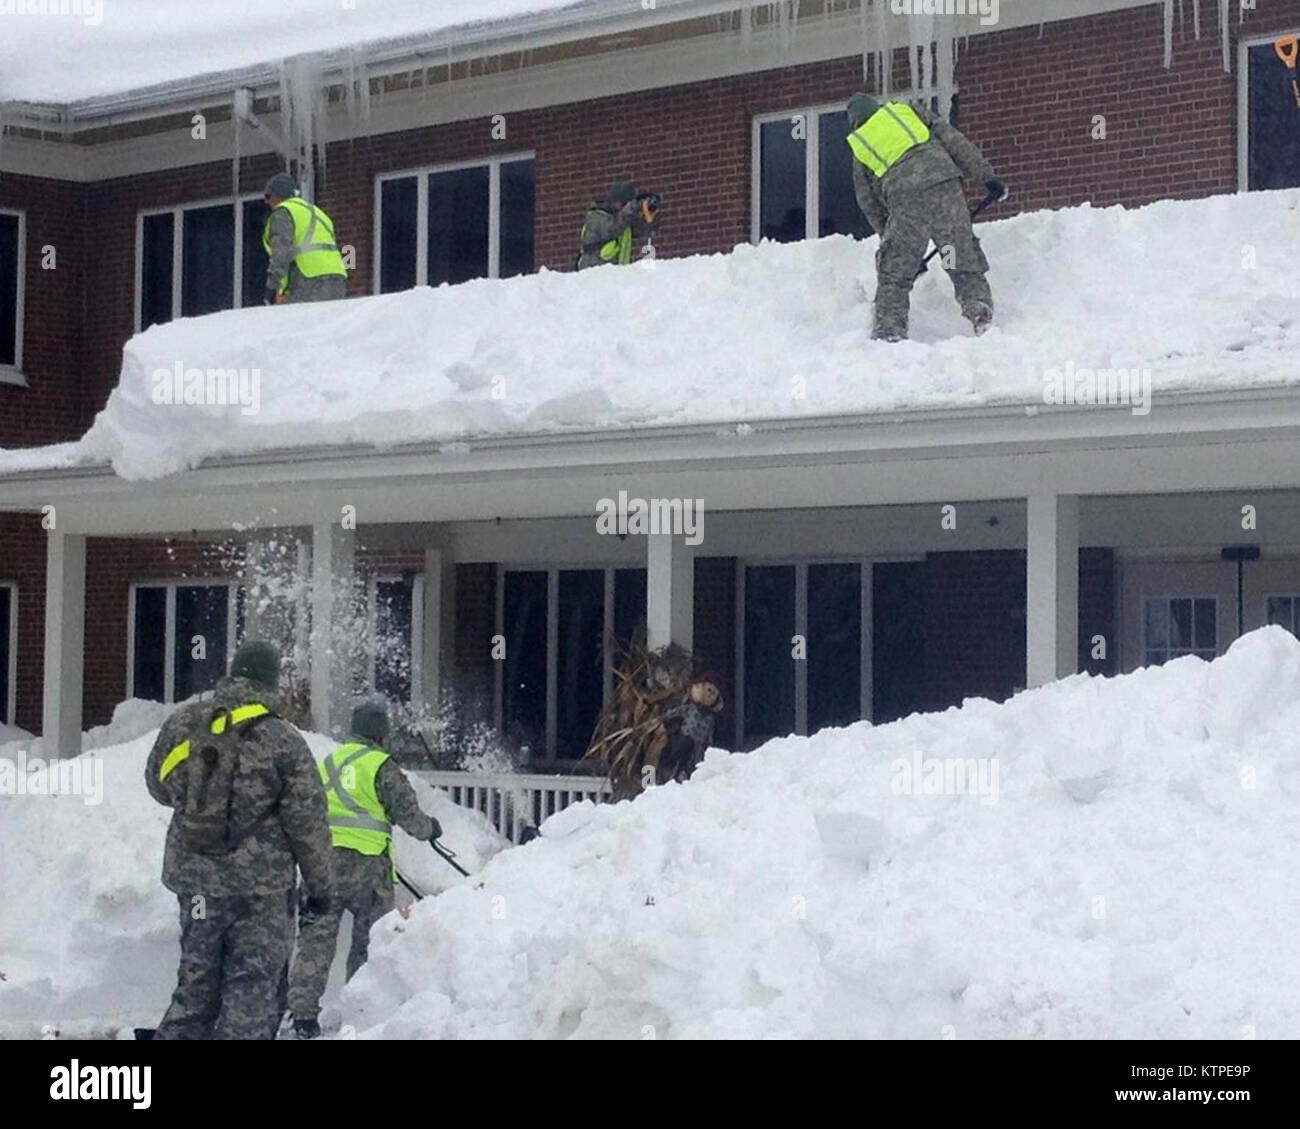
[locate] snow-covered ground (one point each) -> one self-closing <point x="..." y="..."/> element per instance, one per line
<point x="1200" y="294"/>
<point x="1135" y="878"/>
<point x="88" y="934"/>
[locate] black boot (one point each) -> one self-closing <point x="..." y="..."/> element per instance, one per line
<point x="306" y="1029"/>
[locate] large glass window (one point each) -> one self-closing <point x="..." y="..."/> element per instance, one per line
<point x="182" y="637"/>
<point x="769" y="652"/>
<point x="8" y="648"/>
<point x="202" y="641"/>
<point x="523" y="704"/>
<point x="1181" y="625"/>
<point x="1273" y="121"/>
<point x="580" y="654"/>
<point x="1282" y="611"/>
<point x="396" y="603"/>
<point x="834" y="645"/>
<point x="11" y="290"/>
<point x="453" y="224"/>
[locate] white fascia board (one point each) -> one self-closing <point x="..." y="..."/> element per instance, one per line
<point x="723" y="55"/>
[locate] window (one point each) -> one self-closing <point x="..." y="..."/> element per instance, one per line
<point x="781" y="694"/>
<point x="8" y="651"/>
<point x="453" y="223"/>
<point x="182" y="637"/>
<point x="1282" y="611"/>
<point x="1269" y="127"/>
<point x="200" y="258"/>
<point x="397" y="627"/>
<point x="556" y="676"/>
<point x="803" y="175"/>
<point x="12" y="258"/>
<point x="1180" y="625"/>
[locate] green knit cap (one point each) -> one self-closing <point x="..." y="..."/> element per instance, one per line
<point x="370" y="720"/>
<point x="861" y="107"/>
<point x="258" y="660"/>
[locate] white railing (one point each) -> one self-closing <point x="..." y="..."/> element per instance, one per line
<point x="514" y="801"/>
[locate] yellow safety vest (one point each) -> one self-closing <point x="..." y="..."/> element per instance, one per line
<point x="357" y="817"/>
<point x="887" y="136"/>
<point x="314" y="250"/>
<point x="182" y="751"/>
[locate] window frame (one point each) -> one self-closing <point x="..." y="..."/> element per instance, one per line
<point x="13" y="373"/>
<point x="10" y="675"/>
<point x="177" y="212"/>
<point x="1294" y="597"/>
<point x="422" y="173"/>
<point x="1169" y="655"/>
<point x="169" y="630"/>
<point x="812" y="147"/>
<point x="1243" y="99"/>
<point x="389" y="576"/>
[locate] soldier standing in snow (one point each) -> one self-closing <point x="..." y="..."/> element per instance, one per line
<point x="612" y="224"/>
<point x="247" y="807"/>
<point x="305" y="263"/>
<point x="690" y="727"/>
<point x="907" y="175"/>
<point x="367" y="794"/>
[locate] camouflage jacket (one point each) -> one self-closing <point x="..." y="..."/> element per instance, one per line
<point x="948" y="155"/>
<point x="398" y="797"/>
<point x="277" y="772"/>
<point x="602" y="224"/>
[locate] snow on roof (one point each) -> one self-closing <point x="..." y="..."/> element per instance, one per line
<point x="1195" y="295"/>
<point x="66" y="50"/>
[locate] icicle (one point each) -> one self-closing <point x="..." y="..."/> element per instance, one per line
<point x="945" y="49"/>
<point x="302" y="109"/>
<point x="1169" y="33"/>
<point x="884" y="51"/>
<point x="1223" y="33"/>
<point x="1196" y="18"/>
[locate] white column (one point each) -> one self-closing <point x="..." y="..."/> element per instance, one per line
<point x="1052" y="591"/>
<point x="332" y="585"/>
<point x="65" y="631"/>
<point x="670" y="592"/>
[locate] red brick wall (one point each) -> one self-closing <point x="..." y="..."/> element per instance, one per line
<point x="22" y="559"/>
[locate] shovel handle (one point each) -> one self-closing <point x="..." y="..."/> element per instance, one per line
<point x="1288" y="50"/>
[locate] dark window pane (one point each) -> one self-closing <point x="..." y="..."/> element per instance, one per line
<point x="839" y="211"/>
<point x="9" y="270"/>
<point x="1157" y="625"/>
<point x="207" y="260"/>
<point x="898" y="640"/>
<point x="201" y="614"/>
<point x="580" y="662"/>
<point x="1180" y="625"/>
<point x="629" y="602"/>
<point x="458" y="225"/>
<point x="156" y="270"/>
<point x="150" y="658"/>
<point x="6" y="659"/>
<point x="394" y="621"/>
<point x="397" y="233"/>
<point x="1206" y="630"/>
<point x="1274" y="122"/>
<point x="1279" y="612"/>
<point x="1155" y="658"/>
<point x="523" y="704"/>
<point x="253" y="285"/>
<point x="769" y="665"/>
<point x="516" y="218"/>
<point x="834" y="645"/>
<point x="782" y="184"/>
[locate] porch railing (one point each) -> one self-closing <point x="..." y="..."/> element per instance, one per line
<point x="512" y="801"/>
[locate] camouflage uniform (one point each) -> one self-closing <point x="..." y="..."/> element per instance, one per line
<point x="234" y="908"/>
<point x="364" y="887"/>
<point x="323" y="288"/>
<point x="602" y="224"/>
<point x="920" y="199"/>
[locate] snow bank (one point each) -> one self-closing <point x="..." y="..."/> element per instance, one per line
<point x="88" y="934"/>
<point x="726" y="338"/>
<point x="1135" y="877"/>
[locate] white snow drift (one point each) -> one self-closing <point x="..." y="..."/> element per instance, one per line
<point x="1136" y="878"/>
<point x="1186" y="295"/>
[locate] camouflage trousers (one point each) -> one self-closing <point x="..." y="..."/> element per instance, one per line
<point x="323" y="288"/>
<point x="938" y="212"/>
<point x="230" y="964"/>
<point x="363" y="887"/>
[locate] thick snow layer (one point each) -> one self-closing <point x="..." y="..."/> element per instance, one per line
<point x="88" y="933"/>
<point x="107" y="46"/>
<point x="1135" y="877"/>
<point x="1197" y="295"/>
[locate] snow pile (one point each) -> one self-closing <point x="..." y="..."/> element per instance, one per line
<point x="1128" y="871"/>
<point x="778" y="330"/>
<point x="88" y="934"/>
<point x="131" y="719"/>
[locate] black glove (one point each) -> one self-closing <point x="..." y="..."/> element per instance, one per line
<point x="310" y="910"/>
<point x="271" y="295"/>
<point x="437" y="829"/>
<point x="995" y="186"/>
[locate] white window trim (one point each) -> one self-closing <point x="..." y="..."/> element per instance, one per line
<point x="421" y="173"/>
<point x="417" y="631"/>
<point x="11" y="674"/>
<point x="553" y="641"/>
<point x="169" y="640"/>
<point x="1169" y="655"/>
<point x="177" y="212"/>
<point x="13" y="374"/>
<point x="1243" y="101"/>
<point x="812" y="151"/>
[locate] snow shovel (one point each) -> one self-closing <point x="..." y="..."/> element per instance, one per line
<point x="447" y="854"/>
<point x="1288" y="50"/>
<point x="988" y="201"/>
